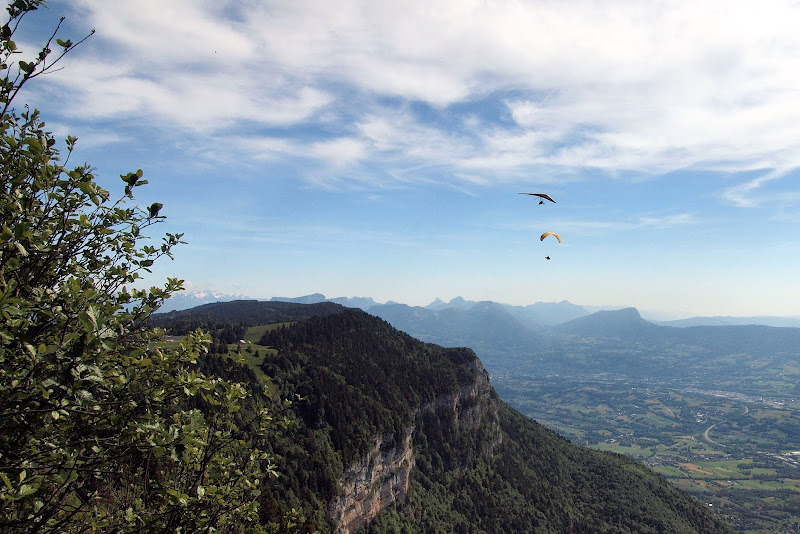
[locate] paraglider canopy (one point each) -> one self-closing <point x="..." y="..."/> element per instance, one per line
<point x="540" y="195"/>
<point x="552" y="234"/>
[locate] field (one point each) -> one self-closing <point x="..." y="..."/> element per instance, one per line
<point x="736" y="453"/>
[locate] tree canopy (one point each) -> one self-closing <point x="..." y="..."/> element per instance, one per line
<point x="102" y="427"/>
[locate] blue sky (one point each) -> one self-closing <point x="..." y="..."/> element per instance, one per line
<point x="376" y="148"/>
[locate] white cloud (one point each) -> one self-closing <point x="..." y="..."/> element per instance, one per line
<point x="260" y="148"/>
<point x="401" y="135"/>
<point x="87" y="137"/>
<point x="196" y="101"/>
<point x="618" y="86"/>
<point x="171" y="33"/>
<point x="340" y="151"/>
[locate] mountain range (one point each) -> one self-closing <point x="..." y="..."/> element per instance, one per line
<point x="533" y="315"/>
<point x="504" y="341"/>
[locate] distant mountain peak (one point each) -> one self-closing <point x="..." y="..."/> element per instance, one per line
<point x="363" y="303"/>
<point x="621" y="314"/>
<point x="185" y="299"/>
<point x="459" y="303"/>
<point x="546" y="313"/>
<point x="488" y="305"/>
<point x="625" y="322"/>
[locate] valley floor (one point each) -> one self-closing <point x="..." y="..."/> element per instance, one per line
<point x="738" y="453"/>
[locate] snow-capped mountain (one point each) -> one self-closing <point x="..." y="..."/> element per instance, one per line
<point x="183" y="300"/>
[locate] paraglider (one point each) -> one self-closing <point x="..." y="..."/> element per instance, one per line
<point x="543" y="197"/>
<point x="552" y="234"/>
<point x="540" y="195"/>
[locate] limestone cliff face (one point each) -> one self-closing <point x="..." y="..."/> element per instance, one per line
<point x="382" y="478"/>
<point x="470" y="405"/>
<point x="373" y="484"/>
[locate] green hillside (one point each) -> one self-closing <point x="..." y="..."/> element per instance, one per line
<point x="369" y="392"/>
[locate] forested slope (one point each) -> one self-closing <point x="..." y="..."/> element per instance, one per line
<point x="479" y="466"/>
<point x="239" y="312"/>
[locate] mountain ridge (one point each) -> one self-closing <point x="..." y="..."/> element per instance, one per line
<point x="397" y="435"/>
<point x="608" y="323"/>
<point x="539" y="313"/>
<point x="728" y="320"/>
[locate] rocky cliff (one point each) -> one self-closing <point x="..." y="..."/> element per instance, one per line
<point x="382" y="478"/>
<point x="373" y="484"/>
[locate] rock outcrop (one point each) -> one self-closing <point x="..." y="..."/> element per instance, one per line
<point x="382" y="478"/>
<point x="373" y="484"/>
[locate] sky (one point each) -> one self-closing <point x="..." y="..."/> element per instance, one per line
<point x="377" y="148"/>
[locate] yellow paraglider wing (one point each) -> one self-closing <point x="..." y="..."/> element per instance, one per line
<point x="552" y="234"/>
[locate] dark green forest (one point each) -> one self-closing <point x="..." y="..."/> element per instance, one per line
<point x="356" y="377"/>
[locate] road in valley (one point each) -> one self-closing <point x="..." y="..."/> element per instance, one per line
<point x="708" y="438"/>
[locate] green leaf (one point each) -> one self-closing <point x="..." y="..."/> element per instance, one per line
<point x="27" y="67"/>
<point x="88" y="319"/>
<point x="154" y="208"/>
<point x="25" y="490"/>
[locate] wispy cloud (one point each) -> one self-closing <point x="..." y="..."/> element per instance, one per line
<point x="490" y="92"/>
<point x="744" y="194"/>
<point x="88" y="137"/>
<point x="594" y="227"/>
<point x="667" y="221"/>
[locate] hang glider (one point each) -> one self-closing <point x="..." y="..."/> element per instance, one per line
<point x="540" y="195"/>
